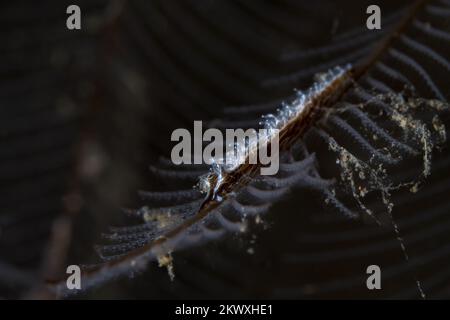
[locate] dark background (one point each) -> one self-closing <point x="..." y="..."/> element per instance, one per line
<point x="83" y="114"/>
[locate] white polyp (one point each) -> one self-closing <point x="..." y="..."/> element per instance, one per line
<point x="271" y="124"/>
<point x="286" y="112"/>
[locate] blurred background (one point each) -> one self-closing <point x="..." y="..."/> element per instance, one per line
<point x="83" y="113"/>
